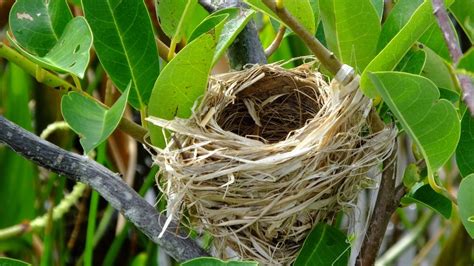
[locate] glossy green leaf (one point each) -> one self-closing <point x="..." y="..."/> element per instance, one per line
<point x="432" y="123"/>
<point x="399" y="45"/>
<point x="70" y="54"/>
<point x="38" y="24"/>
<point x="449" y="95"/>
<point x="438" y="71"/>
<point x="433" y="38"/>
<point x="378" y="5"/>
<point x="217" y="262"/>
<point x="17" y="175"/>
<point x="125" y="44"/>
<point x="91" y="121"/>
<point x="325" y="245"/>
<point x="12" y="262"/>
<point x="463" y="11"/>
<point x="174" y="16"/>
<point x="397" y="18"/>
<point x="182" y="82"/>
<point x="300" y="9"/>
<point x="466" y="63"/>
<point x="464" y="151"/>
<point x="413" y="62"/>
<point x="345" y="26"/>
<point x="466" y="203"/>
<point x="236" y="19"/>
<point x="427" y="197"/>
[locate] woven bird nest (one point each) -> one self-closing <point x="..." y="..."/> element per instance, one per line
<point x="267" y="155"/>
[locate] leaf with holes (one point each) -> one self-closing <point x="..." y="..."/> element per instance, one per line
<point x="182" y="82"/>
<point x="236" y="19"/>
<point x="93" y="122"/>
<point x="300" y="9"/>
<point x="399" y="45"/>
<point x="37" y="25"/>
<point x="70" y="54"/>
<point x="466" y="203"/>
<point x="125" y="44"/>
<point x="345" y="26"/>
<point x="325" y="245"/>
<point x="432" y="123"/>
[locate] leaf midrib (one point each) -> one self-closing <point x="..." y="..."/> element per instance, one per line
<point x="132" y="74"/>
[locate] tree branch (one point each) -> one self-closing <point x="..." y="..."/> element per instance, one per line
<point x="326" y="57"/>
<point x="110" y="186"/>
<point x="455" y="51"/>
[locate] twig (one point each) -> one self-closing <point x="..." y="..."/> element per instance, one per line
<point x="326" y="57"/>
<point x="276" y="42"/>
<point x="388" y="199"/>
<point x="110" y="186"/>
<point x="455" y="51"/>
<point x="405" y="241"/>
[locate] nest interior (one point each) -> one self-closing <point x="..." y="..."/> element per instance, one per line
<point x="268" y="154"/>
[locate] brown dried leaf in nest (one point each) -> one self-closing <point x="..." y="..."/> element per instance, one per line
<point x="268" y="154"/>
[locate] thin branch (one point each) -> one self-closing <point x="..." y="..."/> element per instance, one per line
<point x="110" y="186"/>
<point x="51" y="80"/>
<point x="455" y="51"/>
<point x="326" y="57"/>
<point x="276" y="42"/>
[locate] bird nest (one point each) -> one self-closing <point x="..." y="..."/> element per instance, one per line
<point x="267" y="154"/>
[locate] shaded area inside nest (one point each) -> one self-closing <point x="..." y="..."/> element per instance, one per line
<point x="271" y="108"/>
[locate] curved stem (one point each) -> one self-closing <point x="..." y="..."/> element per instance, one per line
<point x="276" y="42"/>
<point x="326" y="57"/>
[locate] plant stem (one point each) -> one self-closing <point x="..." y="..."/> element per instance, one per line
<point x="326" y="57"/>
<point x="276" y="42"/>
<point x="455" y="52"/>
<point x="405" y="242"/>
<point x="110" y="186"/>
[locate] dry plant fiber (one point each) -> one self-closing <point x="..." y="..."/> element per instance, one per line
<point x="267" y="154"/>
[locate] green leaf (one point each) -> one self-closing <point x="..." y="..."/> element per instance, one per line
<point x="217" y="262"/>
<point x="411" y="175"/>
<point x="466" y="63"/>
<point x="236" y="19"/>
<point x="70" y="54"/>
<point x="17" y="175"/>
<point x="346" y="24"/>
<point x="432" y="124"/>
<point x="427" y="197"/>
<point x="90" y="120"/>
<point x="300" y="9"/>
<point x="182" y="82"/>
<point x="449" y="95"/>
<point x="12" y="262"/>
<point x="125" y="44"/>
<point x="397" y="18"/>
<point x="433" y="38"/>
<point x="463" y="11"/>
<point x="325" y="245"/>
<point x="413" y="62"/>
<point x="174" y="16"/>
<point x="38" y="24"/>
<point x="464" y="154"/>
<point x="438" y="71"/>
<point x="378" y="5"/>
<point x="465" y="202"/>
<point x="394" y="51"/>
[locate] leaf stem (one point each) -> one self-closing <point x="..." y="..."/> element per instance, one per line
<point x="326" y="57"/>
<point x="276" y="42"/>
